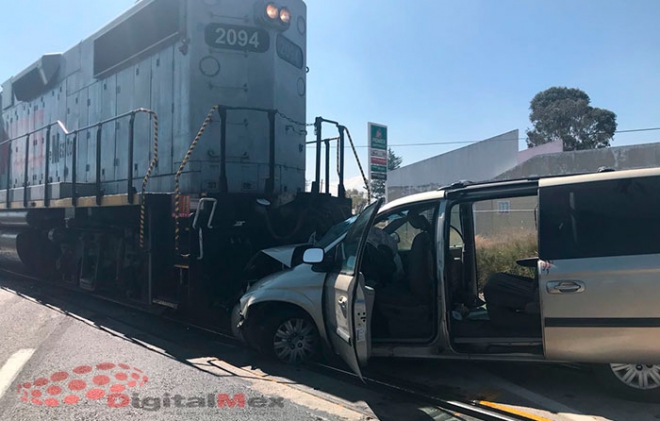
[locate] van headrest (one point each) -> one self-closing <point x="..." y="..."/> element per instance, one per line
<point x="420" y="222"/>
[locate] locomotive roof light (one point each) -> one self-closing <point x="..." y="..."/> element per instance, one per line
<point x="272" y="11"/>
<point x="285" y="16"/>
<point x="271" y="14"/>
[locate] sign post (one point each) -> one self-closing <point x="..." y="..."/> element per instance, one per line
<point x="378" y="153"/>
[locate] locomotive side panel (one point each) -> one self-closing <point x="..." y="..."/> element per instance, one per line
<point x="143" y="134"/>
<point x="290" y="76"/>
<point x="79" y="94"/>
<point x="60" y="146"/>
<point x="219" y="76"/>
<point x="198" y="54"/>
<point x="93" y="116"/>
<point x="126" y="102"/>
<point x="74" y="119"/>
<point x="235" y="61"/>
<point x="18" y="147"/>
<point x="108" y="99"/>
<point x="164" y="84"/>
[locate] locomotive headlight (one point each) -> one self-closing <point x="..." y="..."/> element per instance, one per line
<point x="285" y="16"/>
<point x="272" y="11"/>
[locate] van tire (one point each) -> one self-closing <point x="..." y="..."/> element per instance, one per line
<point x="285" y="331"/>
<point x="621" y="389"/>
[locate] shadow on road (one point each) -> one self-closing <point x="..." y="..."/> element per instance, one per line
<point x="181" y="343"/>
<point x="566" y="392"/>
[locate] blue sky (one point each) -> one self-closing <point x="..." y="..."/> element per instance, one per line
<point x="432" y="70"/>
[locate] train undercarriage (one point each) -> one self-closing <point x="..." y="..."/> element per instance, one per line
<point x="199" y="268"/>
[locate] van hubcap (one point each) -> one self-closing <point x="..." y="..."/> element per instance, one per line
<point x="639" y="376"/>
<point x="295" y="341"/>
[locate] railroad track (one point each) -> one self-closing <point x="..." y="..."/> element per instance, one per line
<point x="461" y="408"/>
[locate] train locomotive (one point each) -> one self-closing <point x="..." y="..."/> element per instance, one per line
<point x="151" y="161"/>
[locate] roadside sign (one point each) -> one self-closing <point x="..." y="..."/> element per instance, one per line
<point x="377" y="135"/>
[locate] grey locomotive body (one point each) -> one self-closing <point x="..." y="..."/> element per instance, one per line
<point x="154" y="158"/>
<point x="179" y="59"/>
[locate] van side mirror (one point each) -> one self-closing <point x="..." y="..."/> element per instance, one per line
<point x="313" y="256"/>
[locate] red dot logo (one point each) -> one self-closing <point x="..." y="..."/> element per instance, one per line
<point x="59" y="376"/>
<point x="83" y="369"/>
<point x="101" y="380"/>
<point x="104" y="381"/>
<point x="117" y="388"/>
<point x="95" y="394"/>
<point x="54" y="390"/>
<point x="77" y="385"/>
<point x="71" y="399"/>
<point x="105" y="366"/>
<point x="41" y="382"/>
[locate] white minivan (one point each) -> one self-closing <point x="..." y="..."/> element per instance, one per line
<point x="561" y="269"/>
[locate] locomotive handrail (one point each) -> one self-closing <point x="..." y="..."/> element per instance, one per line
<point x="222" y="113"/>
<point x="99" y="125"/>
<point x="316" y="184"/>
<point x="27" y="136"/>
<point x="209" y="224"/>
<point x="47" y="126"/>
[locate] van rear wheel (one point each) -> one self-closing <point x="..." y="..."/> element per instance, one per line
<point x="290" y="336"/>
<point x="639" y="382"/>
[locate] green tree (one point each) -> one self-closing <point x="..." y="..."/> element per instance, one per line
<point x="393" y="162"/>
<point x="358" y="199"/>
<point x="565" y="114"/>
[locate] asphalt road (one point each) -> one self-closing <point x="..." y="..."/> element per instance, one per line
<point x="68" y="357"/>
<point x="47" y="332"/>
<point x="62" y="368"/>
<point x="546" y="391"/>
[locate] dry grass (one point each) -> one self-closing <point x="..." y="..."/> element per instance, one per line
<point x="500" y="254"/>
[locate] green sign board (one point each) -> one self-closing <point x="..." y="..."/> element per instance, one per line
<point x="378" y="137"/>
<point x="377" y="151"/>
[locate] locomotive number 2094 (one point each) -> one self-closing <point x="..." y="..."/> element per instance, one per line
<point x="235" y="37"/>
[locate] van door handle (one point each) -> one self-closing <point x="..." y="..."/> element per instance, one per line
<point x="565" y="287"/>
<point x="343" y="300"/>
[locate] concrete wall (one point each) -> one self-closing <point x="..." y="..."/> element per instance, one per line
<point x="552" y="147"/>
<point x="476" y="162"/>
<point x="619" y="158"/>
<point x="498" y="222"/>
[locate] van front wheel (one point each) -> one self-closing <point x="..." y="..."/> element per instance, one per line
<point x="289" y="336"/>
<point x="639" y="382"/>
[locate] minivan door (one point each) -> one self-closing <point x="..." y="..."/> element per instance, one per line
<point x="346" y="299"/>
<point x="599" y="268"/>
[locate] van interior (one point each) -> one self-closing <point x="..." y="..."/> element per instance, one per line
<point x="491" y="257"/>
<point x="399" y="265"/>
<point x="491" y="284"/>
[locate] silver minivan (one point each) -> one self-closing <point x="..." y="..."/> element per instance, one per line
<point x="561" y="269"/>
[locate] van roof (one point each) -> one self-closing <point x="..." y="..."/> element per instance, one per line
<point x="542" y="182"/>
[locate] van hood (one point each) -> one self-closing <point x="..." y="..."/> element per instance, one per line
<point x="283" y="254"/>
<point x="301" y="276"/>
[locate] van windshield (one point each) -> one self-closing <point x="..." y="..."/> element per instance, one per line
<point x="335" y="232"/>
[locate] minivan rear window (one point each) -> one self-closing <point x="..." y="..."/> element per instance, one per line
<point x="618" y="217"/>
